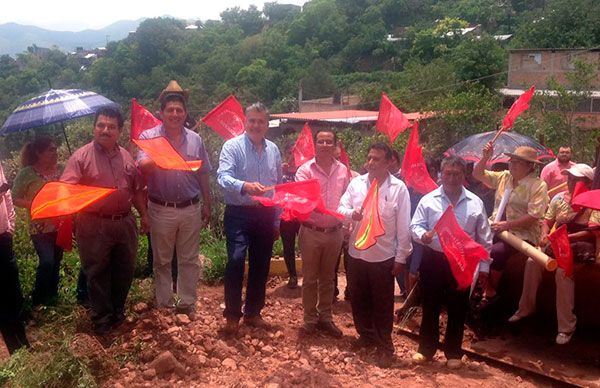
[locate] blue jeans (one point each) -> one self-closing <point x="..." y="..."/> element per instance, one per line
<point x="47" y="276"/>
<point x="249" y="230"/>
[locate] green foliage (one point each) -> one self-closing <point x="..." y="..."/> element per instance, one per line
<point x="215" y="253"/>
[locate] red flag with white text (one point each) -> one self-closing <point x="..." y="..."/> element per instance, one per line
<point x="227" y="119"/>
<point x="391" y="121"/>
<point x="414" y="170"/>
<point x="462" y="252"/>
<point x="304" y="149"/>
<point x="141" y="119"/>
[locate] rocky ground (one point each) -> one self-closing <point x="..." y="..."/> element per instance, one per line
<point x="159" y="349"/>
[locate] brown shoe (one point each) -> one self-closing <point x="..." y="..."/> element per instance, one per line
<point x="231" y="327"/>
<point x="309" y="328"/>
<point x="257" y="322"/>
<point x="385" y="359"/>
<point x="330" y="329"/>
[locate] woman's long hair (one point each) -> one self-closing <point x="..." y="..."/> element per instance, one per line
<point x="31" y="150"/>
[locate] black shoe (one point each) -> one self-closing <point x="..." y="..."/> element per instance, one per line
<point x="292" y="282"/>
<point x="385" y="359"/>
<point x="117" y="319"/>
<point x="330" y="329"/>
<point x="102" y="329"/>
<point x="361" y="343"/>
<point x="309" y="328"/>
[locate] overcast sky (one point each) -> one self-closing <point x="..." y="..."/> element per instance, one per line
<point x="69" y="15"/>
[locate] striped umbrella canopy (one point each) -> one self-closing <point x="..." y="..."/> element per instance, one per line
<point x="54" y="106"/>
<point x="471" y="148"/>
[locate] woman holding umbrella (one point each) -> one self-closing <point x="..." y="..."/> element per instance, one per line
<point x="39" y="165"/>
<point x="520" y="203"/>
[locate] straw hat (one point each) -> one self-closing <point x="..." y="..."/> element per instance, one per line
<point x="580" y="170"/>
<point x="525" y="153"/>
<point x="174" y="88"/>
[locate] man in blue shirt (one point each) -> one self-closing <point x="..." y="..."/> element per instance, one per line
<point x="175" y="208"/>
<point x="437" y="282"/>
<point x="249" y="165"/>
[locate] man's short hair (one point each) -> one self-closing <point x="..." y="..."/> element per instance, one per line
<point x="565" y="146"/>
<point x="454" y="160"/>
<point x="328" y="130"/>
<point x="382" y="147"/>
<point x="178" y="97"/>
<point x="258" y="107"/>
<point x="112" y="112"/>
<point x="396" y="155"/>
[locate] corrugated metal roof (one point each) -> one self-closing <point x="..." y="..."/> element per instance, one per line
<point x="343" y="116"/>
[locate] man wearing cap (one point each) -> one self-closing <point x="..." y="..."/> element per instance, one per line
<point x="552" y="173"/>
<point x="321" y="236"/>
<point x="249" y="165"/>
<point x="178" y="203"/>
<point x="106" y="232"/>
<point x="582" y="243"/>
<point x="519" y="206"/>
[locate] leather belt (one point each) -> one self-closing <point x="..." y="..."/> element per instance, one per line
<point x="112" y="217"/>
<point x="181" y="204"/>
<point x="320" y="229"/>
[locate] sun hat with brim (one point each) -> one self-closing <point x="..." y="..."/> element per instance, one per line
<point x="580" y="170"/>
<point x="525" y="153"/>
<point x="174" y="88"/>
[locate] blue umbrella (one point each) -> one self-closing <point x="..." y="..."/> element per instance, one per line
<point x="54" y="106"/>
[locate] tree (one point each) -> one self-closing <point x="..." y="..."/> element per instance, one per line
<point x="250" y="21"/>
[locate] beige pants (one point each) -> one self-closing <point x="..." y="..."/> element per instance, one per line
<point x="320" y="253"/>
<point x="179" y="229"/>
<point x="565" y="296"/>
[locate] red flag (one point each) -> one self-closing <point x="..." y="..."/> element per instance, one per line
<point x="520" y="105"/>
<point x="590" y="199"/>
<point x="414" y="171"/>
<point x="304" y="149"/>
<point x="559" y="239"/>
<point x="344" y="158"/>
<point x="227" y="119"/>
<point x="370" y="226"/>
<point x="462" y="252"/>
<point x="391" y="121"/>
<point x="580" y="188"/>
<point x="298" y="200"/>
<point x="64" y="237"/>
<point x="141" y="119"/>
<point x="56" y="199"/>
<point x="165" y="156"/>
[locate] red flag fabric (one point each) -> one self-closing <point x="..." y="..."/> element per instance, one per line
<point x="165" y="156"/>
<point x="580" y="188"/>
<point x="298" y="200"/>
<point x="64" y="237"/>
<point x="370" y="226"/>
<point x="520" y="105"/>
<point x="590" y="199"/>
<point x="462" y="252"/>
<point x="304" y="149"/>
<point x="559" y="240"/>
<point x="57" y="199"/>
<point x="141" y="119"/>
<point x="391" y="121"/>
<point x="414" y="171"/>
<point x="344" y="158"/>
<point x="227" y="119"/>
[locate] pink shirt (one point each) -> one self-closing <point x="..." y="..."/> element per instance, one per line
<point x="333" y="185"/>
<point x="552" y="173"/>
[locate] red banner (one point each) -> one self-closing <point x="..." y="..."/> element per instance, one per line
<point x="414" y="171"/>
<point x="227" y="119"/>
<point x="462" y="252"/>
<point x="344" y="158"/>
<point x="391" y="121"/>
<point x="57" y="199"/>
<point x="304" y="149"/>
<point x="520" y="105"/>
<point x="141" y="119"/>
<point x="370" y="226"/>
<point x="559" y="240"/>
<point x="165" y="156"/>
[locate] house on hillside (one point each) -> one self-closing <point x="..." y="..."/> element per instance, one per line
<point x="528" y="67"/>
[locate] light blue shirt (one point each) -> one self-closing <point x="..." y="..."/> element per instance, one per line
<point x="469" y="211"/>
<point x="240" y="162"/>
<point x="174" y="185"/>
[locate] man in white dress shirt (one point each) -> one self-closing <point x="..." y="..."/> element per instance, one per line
<point x="371" y="272"/>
